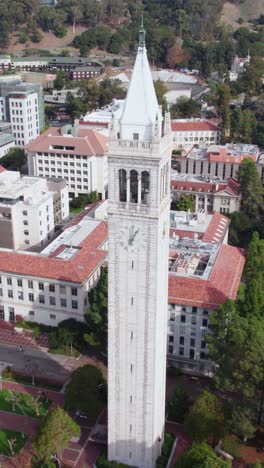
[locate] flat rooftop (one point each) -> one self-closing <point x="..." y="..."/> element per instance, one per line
<point x="66" y="245"/>
<point x="191" y="257"/>
<point x="19" y="187"/>
<point x="203" y="226"/>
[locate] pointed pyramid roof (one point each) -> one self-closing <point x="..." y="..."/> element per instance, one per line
<point x="141" y="105"/>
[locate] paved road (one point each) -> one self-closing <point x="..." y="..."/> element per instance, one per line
<point x="35" y="361"/>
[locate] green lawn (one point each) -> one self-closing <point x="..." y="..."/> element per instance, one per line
<point x="6" y="435"/>
<point x="27" y="380"/>
<point x="23" y="405"/>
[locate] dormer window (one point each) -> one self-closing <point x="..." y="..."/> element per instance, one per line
<point x="135" y="136"/>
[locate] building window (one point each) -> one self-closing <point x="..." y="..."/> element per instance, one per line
<point x="30" y="284"/>
<point x="133" y="186"/>
<point x="31" y="297"/>
<point x="52" y="316"/>
<point x="172" y="316"/>
<point x="74" y="291"/>
<point x="2" y="313"/>
<point x="9" y="281"/>
<point x="191" y="353"/>
<point x="171" y="349"/>
<point x="205" y="322"/>
<point x="183" y="318"/>
<point x="75" y="304"/>
<point x="31" y="313"/>
<point x="63" y="302"/>
<point x="41" y="299"/>
<point x="20" y="295"/>
<point x="202" y="355"/>
<point x="181" y="351"/>
<point x="145" y="188"/>
<point x="194" y="310"/>
<point x="19" y="283"/>
<point x="135" y="136"/>
<point x="52" y="300"/>
<point x="192" y="342"/>
<point x="11" y="311"/>
<point x="63" y="289"/>
<point x="24" y="212"/>
<point x="41" y="286"/>
<point x="52" y="287"/>
<point x="193" y="321"/>
<point x="203" y="344"/>
<point x="10" y="293"/>
<point x="122" y="185"/>
<point x="182" y="330"/>
<point x="171" y="338"/>
<point x="182" y="340"/>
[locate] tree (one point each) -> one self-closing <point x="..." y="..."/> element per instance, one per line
<point x="185" y="202"/>
<point x="236" y="124"/>
<point x="179" y="405"/>
<point x="96" y="314"/>
<point x="59" y="81"/>
<point x="241" y="422"/>
<point x="35" y="403"/>
<point x="201" y="456"/>
<point x="161" y="90"/>
<point x="246" y="126"/>
<point x="86" y="390"/>
<point x="206" y="418"/>
<point x="53" y="434"/>
<point x="185" y="108"/>
<point x="14" y="160"/>
<point x="251" y="189"/>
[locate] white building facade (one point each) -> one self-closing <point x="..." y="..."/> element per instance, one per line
<point x="28" y="210"/>
<point x="75" y="154"/>
<point x="53" y="285"/>
<point x="139" y="199"/>
<point x="21" y="104"/>
<point x="186" y="133"/>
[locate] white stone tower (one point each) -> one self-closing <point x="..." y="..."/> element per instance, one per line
<point x="139" y="202"/>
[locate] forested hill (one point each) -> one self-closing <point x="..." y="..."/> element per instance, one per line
<point x="26" y="16"/>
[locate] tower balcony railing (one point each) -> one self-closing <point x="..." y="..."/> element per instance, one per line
<point x="150" y="148"/>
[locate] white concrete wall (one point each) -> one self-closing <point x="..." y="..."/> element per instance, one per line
<point x="137" y="315"/>
<point x="187" y="139"/>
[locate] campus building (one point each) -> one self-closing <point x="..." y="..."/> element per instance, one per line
<point x="21" y="104"/>
<point x="53" y="285"/>
<point x="216" y="161"/>
<point x="30" y="207"/>
<point x="203" y="273"/>
<point x="209" y="195"/>
<point x="76" y="154"/>
<point x="186" y="133"/>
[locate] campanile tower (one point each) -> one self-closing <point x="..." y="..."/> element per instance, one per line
<point x="139" y="204"/>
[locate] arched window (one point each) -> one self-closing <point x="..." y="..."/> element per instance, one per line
<point x="145" y="188"/>
<point x="122" y="185"/>
<point x="133" y="186"/>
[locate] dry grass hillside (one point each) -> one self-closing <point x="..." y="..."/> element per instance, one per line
<point x="247" y="10"/>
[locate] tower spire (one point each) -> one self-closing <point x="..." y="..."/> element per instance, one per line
<point x="142" y="34"/>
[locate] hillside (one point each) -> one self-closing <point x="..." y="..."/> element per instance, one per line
<point x="247" y="10"/>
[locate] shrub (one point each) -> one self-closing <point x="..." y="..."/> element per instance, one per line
<point x="165" y="451"/>
<point x="232" y="446"/>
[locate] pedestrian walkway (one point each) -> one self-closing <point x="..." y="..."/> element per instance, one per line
<point x="8" y="335"/>
<point x="52" y="395"/>
<point x="183" y="441"/>
<point x="19" y="423"/>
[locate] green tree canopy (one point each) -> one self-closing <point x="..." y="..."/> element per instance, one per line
<point x="206" y="418"/>
<point x="96" y="314"/>
<point x="14" y="160"/>
<point x="86" y="390"/>
<point x="185" y="202"/>
<point x="53" y="434"/>
<point x="201" y="456"/>
<point x="251" y="189"/>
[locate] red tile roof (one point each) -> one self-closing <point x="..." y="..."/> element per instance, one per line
<point x="197" y="126"/>
<point x="88" y="142"/>
<point x="231" y="186"/>
<point x="76" y="270"/>
<point x="222" y="284"/>
<point x="214" y="233"/>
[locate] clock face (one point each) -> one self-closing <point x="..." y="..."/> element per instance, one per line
<point x="131" y="237"/>
<point x="133" y="232"/>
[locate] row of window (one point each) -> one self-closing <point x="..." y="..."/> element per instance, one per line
<point x="52" y="287"/>
<point x="11" y="314"/>
<point x="65" y="163"/>
<point x="192" y="353"/>
<point x="182" y="341"/>
<point x="41" y="298"/>
<point x="134" y="187"/>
